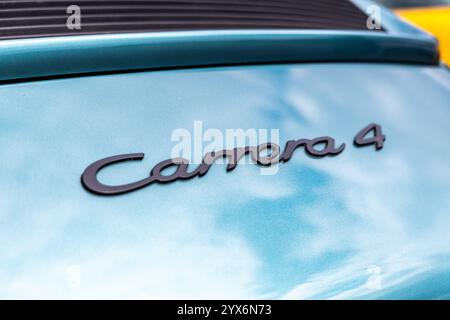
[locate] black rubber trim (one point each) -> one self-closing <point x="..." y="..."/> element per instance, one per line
<point x="209" y="67"/>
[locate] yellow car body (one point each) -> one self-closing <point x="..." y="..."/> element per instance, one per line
<point x="435" y="20"/>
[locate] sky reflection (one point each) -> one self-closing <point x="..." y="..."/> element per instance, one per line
<point x="364" y="224"/>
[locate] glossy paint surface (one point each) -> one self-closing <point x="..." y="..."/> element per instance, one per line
<point x="364" y="224"/>
<point x="57" y="56"/>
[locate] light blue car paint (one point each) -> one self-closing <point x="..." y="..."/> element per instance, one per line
<point x="364" y="224"/>
<point x="57" y="56"/>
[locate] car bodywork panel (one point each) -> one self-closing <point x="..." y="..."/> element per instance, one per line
<point x="365" y="224"/>
<point x="37" y="58"/>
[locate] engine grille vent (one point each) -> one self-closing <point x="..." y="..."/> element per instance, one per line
<point x="24" y="19"/>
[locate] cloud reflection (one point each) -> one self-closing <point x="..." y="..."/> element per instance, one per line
<point x="314" y="230"/>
